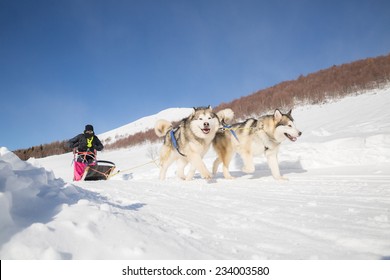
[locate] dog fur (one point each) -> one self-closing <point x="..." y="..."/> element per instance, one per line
<point x="193" y="136"/>
<point x="255" y="136"/>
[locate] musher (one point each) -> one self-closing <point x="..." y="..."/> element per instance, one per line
<point x="84" y="148"/>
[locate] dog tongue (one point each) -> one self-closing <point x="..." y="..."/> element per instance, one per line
<point x="291" y="137"/>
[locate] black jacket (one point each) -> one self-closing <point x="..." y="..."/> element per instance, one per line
<point x="80" y="143"/>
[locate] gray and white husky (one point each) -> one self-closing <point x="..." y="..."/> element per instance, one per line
<point x="190" y="140"/>
<point x="255" y="136"/>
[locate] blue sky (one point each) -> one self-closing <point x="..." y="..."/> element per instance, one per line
<point x="66" y="63"/>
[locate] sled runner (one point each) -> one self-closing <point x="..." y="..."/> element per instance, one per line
<point x="87" y="168"/>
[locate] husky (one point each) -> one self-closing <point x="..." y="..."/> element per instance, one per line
<point x="255" y="136"/>
<point x="190" y="140"/>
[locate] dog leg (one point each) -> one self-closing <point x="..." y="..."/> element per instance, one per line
<point x="226" y="172"/>
<point x="226" y="162"/>
<point x="225" y="167"/>
<point x="198" y="164"/>
<point x="247" y="158"/>
<point x="166" y="159"/>
<point x="164" y="167"/>
<point x="181" y="164"/>
<point x="273" y="164"/>
<point x="225" y="150"/>
<point x="216" y="164"/>
<point x="191" y="173"/>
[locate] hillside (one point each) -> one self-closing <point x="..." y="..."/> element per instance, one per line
<point x="335" y="206"/>
<point x="329" y="84"/>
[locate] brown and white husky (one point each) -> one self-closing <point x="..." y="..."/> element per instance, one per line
<point x="255" y="136"/>
<point x="190" y="140"/>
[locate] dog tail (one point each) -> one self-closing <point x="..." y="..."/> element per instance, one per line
<point x="226" y="115"/>
<point x="162" y="127"/>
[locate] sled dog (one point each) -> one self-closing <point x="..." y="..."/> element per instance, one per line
<point x="189" y="141"/>
<point x="255" y="136"/>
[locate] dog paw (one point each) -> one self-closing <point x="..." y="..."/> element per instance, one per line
<point x="248" y="170"/>
<point x="281" y="179"/>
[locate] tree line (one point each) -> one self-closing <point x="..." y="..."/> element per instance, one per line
<point x="319" y="87"/>
<point x="45" y="150"/>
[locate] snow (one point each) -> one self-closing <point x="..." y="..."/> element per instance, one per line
<point x="336" y="204"/>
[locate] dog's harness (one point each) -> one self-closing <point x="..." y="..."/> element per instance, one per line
<point x="229" y="127"/>
<point x="174" y="142"/>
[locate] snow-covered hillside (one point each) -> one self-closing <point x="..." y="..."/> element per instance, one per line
<point x="143" y="124"/>
<point x="336" y="204"/>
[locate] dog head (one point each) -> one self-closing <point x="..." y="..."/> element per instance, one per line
<point x="204" y="123"/>
<point x="285" y="127"/>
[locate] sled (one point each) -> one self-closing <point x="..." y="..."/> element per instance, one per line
<point x="87" y="168"/>
<point x="101" y="170"/>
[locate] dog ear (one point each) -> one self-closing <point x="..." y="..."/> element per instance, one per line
<point x="278" y="115"/>
<point x="192" y="113"/>
<point x="289" y="115"/>
<point x="209" y="107"/>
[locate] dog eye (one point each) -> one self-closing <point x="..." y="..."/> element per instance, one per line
<point x="290" y="125"/>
